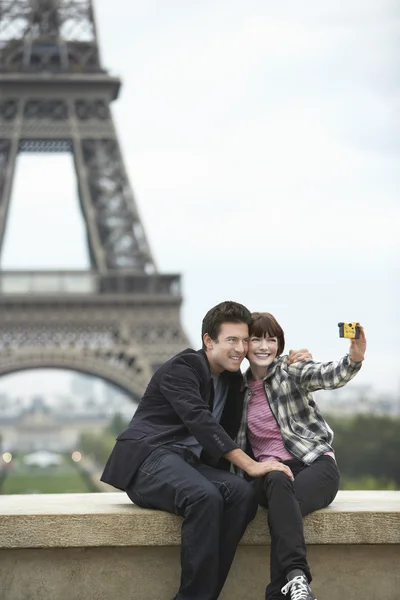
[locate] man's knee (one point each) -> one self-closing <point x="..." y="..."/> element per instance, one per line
<point x="208" y="496"/>
<point x="245" y="491"/>
<point x="250" y="500"/>
<point x="242" y="493"/>
<point x="242" y="487"/>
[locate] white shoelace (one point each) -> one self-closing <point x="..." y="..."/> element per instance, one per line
<point x="300" y="588"/>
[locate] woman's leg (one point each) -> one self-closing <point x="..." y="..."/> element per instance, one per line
<point x="314" y="487"/>
<point x="317" y="485"/>
<point x="277" y="492"/>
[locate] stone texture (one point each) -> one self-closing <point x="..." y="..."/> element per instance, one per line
<point x="340" y="572"/>
<point x="100" y="546"/>
<point x="96" y="520"/>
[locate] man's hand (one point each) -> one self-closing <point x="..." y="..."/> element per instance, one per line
<point x="254" y="468"/>
<point x="358" y="347"/>
<point x="298" y="356"/>
<point x="258" y="469"/>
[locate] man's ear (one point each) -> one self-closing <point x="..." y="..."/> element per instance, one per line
<point x="208" y="341"/>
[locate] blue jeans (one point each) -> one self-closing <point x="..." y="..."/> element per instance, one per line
<point x="216" y="507"/>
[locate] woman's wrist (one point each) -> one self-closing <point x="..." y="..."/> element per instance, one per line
<point x="356" y="357"/>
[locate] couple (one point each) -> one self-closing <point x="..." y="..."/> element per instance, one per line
<point x="200" y="418"/>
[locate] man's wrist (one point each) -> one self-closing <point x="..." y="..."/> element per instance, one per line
<point x="240" y="459"/>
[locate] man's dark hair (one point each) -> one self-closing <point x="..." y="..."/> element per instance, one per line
<point x="224" y="312"/>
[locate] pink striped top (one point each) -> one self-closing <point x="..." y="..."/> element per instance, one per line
<point x="264" y="432"/>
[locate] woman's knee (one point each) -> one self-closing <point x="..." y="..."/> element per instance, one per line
<point x="270" y="484"/>
<point x="277" y="479"/>
<point x="320" y="487"/>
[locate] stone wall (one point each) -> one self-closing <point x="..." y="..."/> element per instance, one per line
<point x="100" y="546"/>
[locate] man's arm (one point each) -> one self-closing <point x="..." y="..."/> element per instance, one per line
<point x="256" y="469"/>
<point x="298" y="356"/>
<point x="180" y="385"/>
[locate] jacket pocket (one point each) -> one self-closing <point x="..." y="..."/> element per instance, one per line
<point x="300" y="430"/>
<point x="131" y="434"/>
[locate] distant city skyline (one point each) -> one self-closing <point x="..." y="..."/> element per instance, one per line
<point x="56" y="385"/>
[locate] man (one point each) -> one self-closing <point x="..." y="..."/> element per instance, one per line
<point x="176" y="452"/>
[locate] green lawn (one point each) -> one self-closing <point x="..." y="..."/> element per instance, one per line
<point x="63" y="479"/>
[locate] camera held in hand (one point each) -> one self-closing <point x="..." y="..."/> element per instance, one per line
<point x="349" y="330"/>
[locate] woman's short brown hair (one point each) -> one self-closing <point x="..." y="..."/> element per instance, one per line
<point x="263" y="324"/>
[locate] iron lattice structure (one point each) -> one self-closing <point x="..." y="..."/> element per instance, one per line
<point x="120" y="319"/>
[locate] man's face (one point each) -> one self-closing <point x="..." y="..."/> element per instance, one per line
<point x="227" y="353"/>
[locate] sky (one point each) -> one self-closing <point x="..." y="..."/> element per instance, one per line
<point x="262" y="142"/>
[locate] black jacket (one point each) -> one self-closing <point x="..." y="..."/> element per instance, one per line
<point x="178" y="400"/>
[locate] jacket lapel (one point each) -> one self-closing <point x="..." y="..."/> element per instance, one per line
<point x="209" y="384"/>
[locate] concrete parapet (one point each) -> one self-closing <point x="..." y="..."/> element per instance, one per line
<point x="87" y="546"/>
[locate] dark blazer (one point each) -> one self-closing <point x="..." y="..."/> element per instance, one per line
<point x="177" y="401"/>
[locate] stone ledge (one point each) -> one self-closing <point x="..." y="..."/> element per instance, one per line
<point x="111" y="520"/>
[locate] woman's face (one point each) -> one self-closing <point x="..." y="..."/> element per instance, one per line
<point x="262" y="350"/>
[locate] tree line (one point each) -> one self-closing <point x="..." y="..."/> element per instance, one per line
<point x="367" y="449"/>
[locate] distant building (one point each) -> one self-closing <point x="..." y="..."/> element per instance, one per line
<point x="361" y="399"/>
<point x="43" y="459"/>
<point x="42" y="427"/>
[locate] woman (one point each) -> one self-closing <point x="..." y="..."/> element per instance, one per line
<point x="282" y="425"/>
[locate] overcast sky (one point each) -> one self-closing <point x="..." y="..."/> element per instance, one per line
<point x="262" y="141"/>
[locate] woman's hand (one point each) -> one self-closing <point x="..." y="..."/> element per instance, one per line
<point x="298" y="356"/>
<point x="259" y="469"/>
<point x="358" y="347"/>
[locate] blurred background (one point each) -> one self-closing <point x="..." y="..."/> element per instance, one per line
<point x="262" y="143"/>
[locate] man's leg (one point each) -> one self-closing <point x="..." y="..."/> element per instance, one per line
<point x="239" y="508"/>
<point x="314" y="487"/>
<point x="168" y="480"/>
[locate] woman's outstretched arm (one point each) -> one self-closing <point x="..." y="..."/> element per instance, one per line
<point x="314" y="376"/>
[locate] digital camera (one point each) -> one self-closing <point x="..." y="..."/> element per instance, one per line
<point x="349" y="330"/>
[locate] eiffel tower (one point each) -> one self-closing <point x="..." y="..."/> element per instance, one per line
<point x="120" y="319"/>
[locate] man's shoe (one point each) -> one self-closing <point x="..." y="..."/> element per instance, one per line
<point x="297" y="586"/>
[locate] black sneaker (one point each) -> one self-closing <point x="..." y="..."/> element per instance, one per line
<point x="297" y="586"/>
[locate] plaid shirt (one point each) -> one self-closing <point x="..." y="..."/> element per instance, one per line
<point x="288" y="390"/>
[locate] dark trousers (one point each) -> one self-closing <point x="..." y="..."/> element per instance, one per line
<point x="216" y="507"/>
<point x="314" y="487"/>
